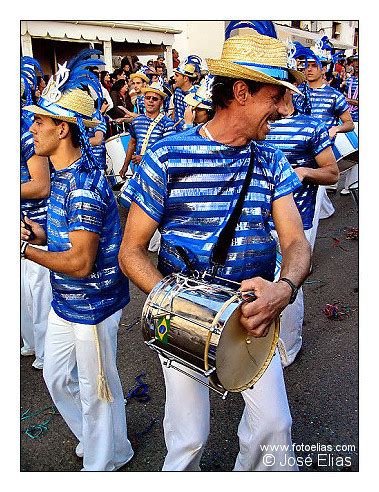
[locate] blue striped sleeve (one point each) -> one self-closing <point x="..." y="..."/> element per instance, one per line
<point x="147" y="188"/>
<point x="286" y="180"/>
<point x="320" y="139"/>
<point x="341" y="104"/>
<point x="85" y="211"/>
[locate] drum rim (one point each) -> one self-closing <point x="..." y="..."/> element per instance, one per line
<point x="119" y="135"/>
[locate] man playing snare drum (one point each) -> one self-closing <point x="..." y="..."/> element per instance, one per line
<point x="187" y="186"/>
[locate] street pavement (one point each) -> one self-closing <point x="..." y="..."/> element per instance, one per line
<point x="322" y="383"/>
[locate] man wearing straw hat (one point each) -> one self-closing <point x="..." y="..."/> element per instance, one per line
<point x="89" y="291"/>
<point x="199" y="105"/>
<point x="147" y="128"/>
<point x="184" y="77"/>
<point x="140" y="80"/>
<point x="187" y="185"/>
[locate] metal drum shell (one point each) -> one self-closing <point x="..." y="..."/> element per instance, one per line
<point x="190" y="338"/>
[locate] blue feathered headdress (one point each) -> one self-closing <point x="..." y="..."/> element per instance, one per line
<point x="266" y="28"/>
<point x="71" y="76"/>
<point x="194" y="60"/>
<point x="29" y="77"/>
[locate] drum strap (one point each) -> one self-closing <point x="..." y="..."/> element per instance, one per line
<point x="220" y="249"/>
<point x="153" y="124"/>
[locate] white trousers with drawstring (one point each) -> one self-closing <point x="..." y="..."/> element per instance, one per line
<point x="265" y="426"/>
<point x="70" y="371"/>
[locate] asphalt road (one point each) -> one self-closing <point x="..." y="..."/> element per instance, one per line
<point x="322" y="384"/>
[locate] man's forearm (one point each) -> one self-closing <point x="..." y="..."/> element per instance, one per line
<point x="60" y="261"/>
<point x="296" y="261"/>
<point x="34" y="190"/>
<point x="138" y="267"/>
<point x="347" y="126"/>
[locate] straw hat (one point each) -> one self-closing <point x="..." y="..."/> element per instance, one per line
<point x="255" y="57"/>
<point x="154" y="87"/>
<point x="70" y="103"/>
<point x="188" y="70"/>
<point x="202" y="98"/>
<point x="140" y="75"/>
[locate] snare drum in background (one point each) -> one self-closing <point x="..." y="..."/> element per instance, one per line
<point x="116" y="147"/>
<point x="195" y="325"/>
<point x="345" y="143"/>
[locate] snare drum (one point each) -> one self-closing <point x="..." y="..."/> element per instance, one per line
<point x="196" y="324"/>
<point x="345" y="143"/>
<point x="116" y="147"/>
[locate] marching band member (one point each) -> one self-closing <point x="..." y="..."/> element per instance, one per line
<point x="35" y="190"/>
<point x="83" y="235"/>
<point x="187" y="185"/>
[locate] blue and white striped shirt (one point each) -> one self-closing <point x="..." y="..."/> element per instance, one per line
<point x="180" y="105"/>
<point x="99" y="150"/>
<point x="327" y="104"/>
<point x="351" y="91"/>
<point x="139" y="104"/>
<point x="190" y="185"/>
<point x="301" y="138"/>
<point x="140" y="125"/>
<point x="35" y="209"/>
<point x="84" y="201"/>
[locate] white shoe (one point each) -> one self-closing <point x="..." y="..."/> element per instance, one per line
<point x="27" y="351"/>
<point x="38" y="364"/>
<point x="79" y="450"/>
<point x="344" y="191"/>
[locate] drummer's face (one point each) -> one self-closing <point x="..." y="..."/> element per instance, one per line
<point x="313" y="72"/>
<point x="46" y="135"/>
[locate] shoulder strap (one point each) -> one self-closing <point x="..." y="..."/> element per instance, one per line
<point x="153" y="124"/>
<point x="221" y="248"/>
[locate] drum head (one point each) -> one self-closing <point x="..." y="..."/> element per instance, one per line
<point x="241" y="359"/>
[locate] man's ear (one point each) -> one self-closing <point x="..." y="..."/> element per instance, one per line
<point x="63" y="129"/>
<point x="240" y="91"/>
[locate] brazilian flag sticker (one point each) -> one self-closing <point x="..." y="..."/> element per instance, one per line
<point x="162" y="329"/>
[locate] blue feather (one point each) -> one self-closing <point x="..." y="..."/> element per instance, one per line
<point x="266" y="28"/>
<point x="29" y="76"/>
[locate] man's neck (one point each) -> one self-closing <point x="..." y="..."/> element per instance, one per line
<point x="186" y="86"/>
<point x="227" y="129"/>
<point x="152" y="115"/>
<point x="65" y="156"/>
<point x="316" y="84"/>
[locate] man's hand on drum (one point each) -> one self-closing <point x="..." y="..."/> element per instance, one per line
<point x="38" y="231"/>
<point x="123" y="171"/>
<point x="271" y="299"/>
<point x="136" y="159"/>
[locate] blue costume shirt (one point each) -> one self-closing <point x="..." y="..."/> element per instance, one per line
<point x="84" y="201"/>
<point x="327" y="104"/>
<point x="301" y="138"/>
<point x="99" y="150"/>
<point x="351" y="91"/>
<point x="140" y="125"/>
<point x="180" y="105"/>
<point x="35" y="209"/>
<point x="190" y="185"/>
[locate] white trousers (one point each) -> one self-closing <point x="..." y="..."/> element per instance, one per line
<point x="70" y="372"/>
<point x="291" y="328"/>
<point x="266" y="421"/>
<point x="36" y="299"/>
<point x="323" y="209"/>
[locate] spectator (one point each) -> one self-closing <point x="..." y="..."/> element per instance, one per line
<point x="175" y="59"/>
<point x="126" y="67"/>
<point x="122" y="104"/>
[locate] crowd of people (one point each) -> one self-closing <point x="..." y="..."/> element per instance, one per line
<point x="255" y="123"/>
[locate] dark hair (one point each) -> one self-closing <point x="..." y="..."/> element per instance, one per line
<point x="222" y="90"/>
<point x="118" y="85"/>
<point x="103" y="74"/>
<point x="74" y="132"/>
<point x="117" y="71"/>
